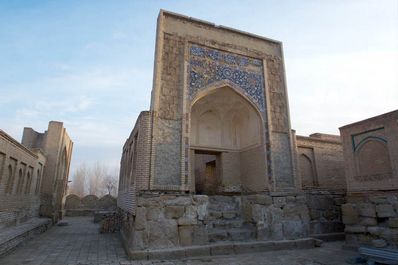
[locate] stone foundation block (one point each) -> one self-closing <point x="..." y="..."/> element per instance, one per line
<point x="140" y="218"/>
<point x="164" y="235"/>
<point x="385" y="210"/>
<point x="140" y="240"/>
<point x="375" y="230"/>
<point x="350" y="214"/>
<point x="368" y="221"/>
<point x="174" y="212"/>
<point x="185" y="235"/>
<point x="355" y="229"/>
<point x="200" y="235"/>
<point x="367" y="210"/>
<point x="179" y="201"/>
<point x="153" y="213"/>
<point x="187" y="221"/>
<point x="393" y="222"/>
<point x="279" y="201"/>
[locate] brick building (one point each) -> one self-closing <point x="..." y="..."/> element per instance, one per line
<point x="215" y="159"/>
<point x="34" y="174"/>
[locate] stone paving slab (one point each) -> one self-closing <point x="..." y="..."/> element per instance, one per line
<point x="79" y="243"/>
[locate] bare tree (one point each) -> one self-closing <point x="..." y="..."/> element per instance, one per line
<point x="96" y="180"/>
<point x="110" y="184"/>
<point x="97" y="176"/>
<point x="79" y="180"/>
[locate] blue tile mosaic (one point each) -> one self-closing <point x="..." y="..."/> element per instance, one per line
<point x="207" y="66"/>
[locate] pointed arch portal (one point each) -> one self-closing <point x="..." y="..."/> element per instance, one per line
<point x="227" y="140"/>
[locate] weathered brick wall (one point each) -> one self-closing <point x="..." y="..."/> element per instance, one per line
<point x="19" y="191"/>
<point x="320" y="162"/>
<point x="135" y="163"/>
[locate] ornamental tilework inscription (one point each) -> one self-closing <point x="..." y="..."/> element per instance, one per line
<point x="207" y="66"/>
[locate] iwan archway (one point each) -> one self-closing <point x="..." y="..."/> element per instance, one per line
<point x="227" y="143"/>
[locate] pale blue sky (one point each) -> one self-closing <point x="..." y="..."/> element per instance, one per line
<point x="89" y="63"/>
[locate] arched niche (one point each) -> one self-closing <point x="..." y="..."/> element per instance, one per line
<point x="226" y="135"/>
<point x="306" y="171"/>
<point x="373" y="158"/>
<point x="224" y="119"/>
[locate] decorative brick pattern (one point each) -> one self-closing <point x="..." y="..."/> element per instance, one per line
<point x="282" y="161"/>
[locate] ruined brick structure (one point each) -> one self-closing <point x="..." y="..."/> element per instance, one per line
<point x="371" y="162"/>
<point x="215" y="159"/>
<point x="34" y="174"/>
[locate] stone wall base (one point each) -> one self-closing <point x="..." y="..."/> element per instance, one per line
<point x="222" y="249"/>
<point x="371" y="219"/>
<point x="172" y="221"/>
<point x="325" y="211"/>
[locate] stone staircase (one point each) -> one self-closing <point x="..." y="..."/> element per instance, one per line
<point x="225" y="221"/>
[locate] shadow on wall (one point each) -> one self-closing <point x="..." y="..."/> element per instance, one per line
<point x="86" y="206"/>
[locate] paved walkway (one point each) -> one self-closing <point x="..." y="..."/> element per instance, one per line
<point x="79" y="243"/>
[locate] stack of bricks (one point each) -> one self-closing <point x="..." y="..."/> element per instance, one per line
<point x="110" y="224"/>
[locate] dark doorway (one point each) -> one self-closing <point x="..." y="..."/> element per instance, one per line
<point x="207" y="178"/>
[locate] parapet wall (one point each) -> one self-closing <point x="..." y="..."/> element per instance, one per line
<point x="75" y="205"/>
